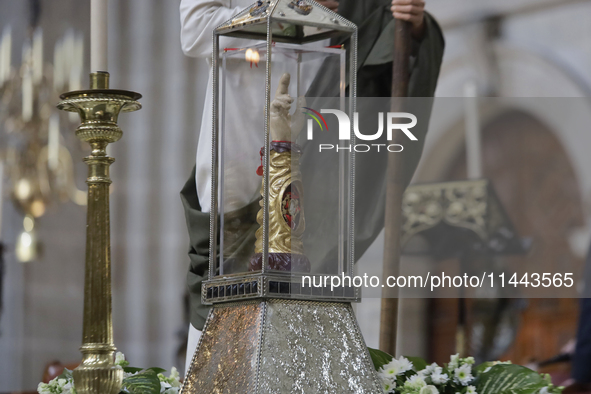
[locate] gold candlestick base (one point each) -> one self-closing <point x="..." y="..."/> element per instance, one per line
<point x="98" y="108"/>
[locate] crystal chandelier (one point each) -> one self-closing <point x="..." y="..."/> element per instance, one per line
<point x="36" y="157"/>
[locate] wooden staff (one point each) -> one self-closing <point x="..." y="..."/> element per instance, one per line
<point x="394" y="191"/>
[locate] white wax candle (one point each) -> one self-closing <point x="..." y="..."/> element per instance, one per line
<point x="27" y="85"/>
<point x="67" y="53"/>
<point x="75" y="78"/>
<point x="58" y="67"/>
<point x="8" y="52"/>
<point x="472" y="125"/>
<point x="53" y="142"/>
<point x="5" y="54"/>
<point x="27" y="96"/>
<point x="79" y="51"/>
<point x="77" y="63"/>
<point x="38" y="55"/>
<point x="98" y="35"/>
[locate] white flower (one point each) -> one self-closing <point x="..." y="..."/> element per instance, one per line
<point x="392" y="369"/>
<point x="544" y="390"/>
<point x="119" y="358"/>
<point x="438" y="377"/>
<point x="463" y="374"/>
<point x="471" y="390"/>
<point x="405" y="364"/>
<point x="416" y="379"/>
<point x="414" y="384"/>
<point x="469" y="360"/>
<point x="170" y="384"/>
<point x="68" y="388"/>
<point x="454" y="361"/>
<point x="174" y="377"/>
<point x="388" y="386"/>
<point x="429" y="390"/>
<point x="171" y="390"/>
<point x="431" y="368"/>
<point x="43" y="388"/>
<point x="57" y="386"/>
<point x="164" y="386"/>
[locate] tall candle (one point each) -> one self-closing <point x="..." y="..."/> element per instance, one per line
<point x="75" y="78"/>
<point x="98" y="35"/>
<point x="53" y="142"/>
<point x="472" y="125"/>
<point x="38" y="55"/>
<point x="68" y="51"/>
<point x="77" y="62"/>
<point x="8" y="52"/>
<point x="28" y="92"/>
<point x="27" y="85"/>
<point x="79" y="51"/>
<point x="5" y="54"/>
<point x="58" y="67"/>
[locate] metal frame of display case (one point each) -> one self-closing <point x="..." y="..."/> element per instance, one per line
<point x="265" y="333"/>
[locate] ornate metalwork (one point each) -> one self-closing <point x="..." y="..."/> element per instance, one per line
<point x="300" y="7"/>
<point x="282" y="346"/>
<point x="283" y="237"/>
<point x="236" y="287"/>
<point x="290" y="16"/>
<point x="260" y="8"/>
<point x="453" y="210"/>
<point x="98" y="108"/>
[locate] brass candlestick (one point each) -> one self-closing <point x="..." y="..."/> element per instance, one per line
<point x="98" y="108"/>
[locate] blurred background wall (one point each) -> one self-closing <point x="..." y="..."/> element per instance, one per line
<point x="531" y="48"/>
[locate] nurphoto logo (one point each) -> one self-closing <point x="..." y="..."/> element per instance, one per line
<point x="401" y="121"/>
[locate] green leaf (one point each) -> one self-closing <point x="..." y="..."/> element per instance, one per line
<point x="145" y="382"/>
<point x="156" y="370"/>
<point x="509" y="379"/>
<point x="418" y="363"/>
<point x="67" y="374"/>
<point x="132" y="369"/>
<point x="482" y="367"/>
<point x="379" y="358"/>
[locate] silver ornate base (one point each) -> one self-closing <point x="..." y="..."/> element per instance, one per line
<point x="279" y="346"/>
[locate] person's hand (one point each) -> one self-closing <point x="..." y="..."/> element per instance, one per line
<point x="333" y="5"/>
<point x="412" y="11"/>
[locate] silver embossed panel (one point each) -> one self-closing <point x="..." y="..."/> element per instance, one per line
<point x="281" y="347"/>
<point x="225" y="360"/>
<point x="313" y="348"/>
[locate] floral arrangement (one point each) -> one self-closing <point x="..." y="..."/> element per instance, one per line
<point x="135" y="380"/>
<point x="412" y="375"/>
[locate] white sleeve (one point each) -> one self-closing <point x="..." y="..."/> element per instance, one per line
<point x="192" y="343"/>
<point x="198" y="19"/>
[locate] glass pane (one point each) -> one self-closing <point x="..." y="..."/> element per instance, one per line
<point x="242" y="132"/>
